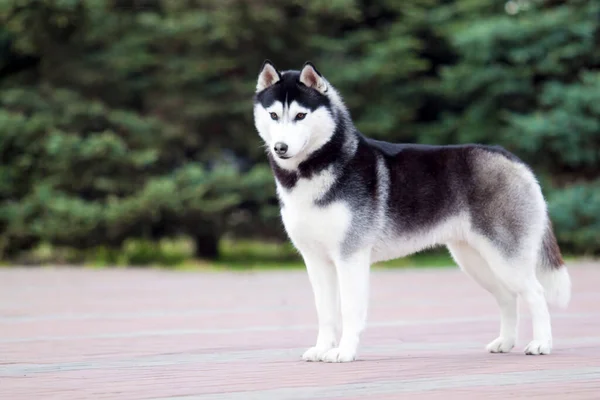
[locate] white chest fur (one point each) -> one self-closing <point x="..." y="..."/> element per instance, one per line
<point x="312" y="227"/>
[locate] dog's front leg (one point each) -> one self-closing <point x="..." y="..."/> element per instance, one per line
<point x="322" y="275"/>
<point x="353" y="279"/>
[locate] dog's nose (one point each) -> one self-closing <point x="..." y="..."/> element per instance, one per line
<point x="281" y="148"/>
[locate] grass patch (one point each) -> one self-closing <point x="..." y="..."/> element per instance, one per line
<point x="434" y="258"/>
<point x="178" y="254"/>
<point x="252" y="254"/>
<point x="133" y="253"/>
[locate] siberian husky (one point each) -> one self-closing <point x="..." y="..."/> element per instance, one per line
<point x="348" y="201"/>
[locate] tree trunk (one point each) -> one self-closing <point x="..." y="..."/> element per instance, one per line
<point x="11" y="249"/>
<point x="207" y="245"/>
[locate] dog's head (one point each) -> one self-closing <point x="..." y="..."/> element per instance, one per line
<point x="293" y="112"/>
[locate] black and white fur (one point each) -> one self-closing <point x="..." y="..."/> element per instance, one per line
<point x="348" y="201"/>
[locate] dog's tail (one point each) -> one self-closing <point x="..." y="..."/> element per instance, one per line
<point x="552" y="272"/>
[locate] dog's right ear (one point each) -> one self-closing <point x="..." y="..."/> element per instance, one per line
<point x="312" y="78"/>
<point x="268" y="76"/>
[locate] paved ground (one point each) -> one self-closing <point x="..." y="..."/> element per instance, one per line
<point x="141" y="334"/>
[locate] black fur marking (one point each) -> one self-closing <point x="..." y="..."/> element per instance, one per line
<point x="286" y="178"/>
<point x="550" y="252"/>
<point x="422" y="186"/>
<point x="431" y="182"/>
<point x="357" y="177"/>
<point x="330" y="154"/>
<point x="392" y="149"/>
<point x="289" y="89"/>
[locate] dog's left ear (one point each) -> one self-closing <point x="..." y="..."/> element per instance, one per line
<point x="268" y="76"/>
<point x="312" y="78"/>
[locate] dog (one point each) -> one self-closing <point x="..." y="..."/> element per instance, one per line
<point x="348" y="201"/>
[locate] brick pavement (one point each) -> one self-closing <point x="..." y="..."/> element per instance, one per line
<point x="140" y="334"/>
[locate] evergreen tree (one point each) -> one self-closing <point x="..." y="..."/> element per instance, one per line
<point x="110" y="132"/>
<point x="129" y="118"/>
<point x="527" y="77"/>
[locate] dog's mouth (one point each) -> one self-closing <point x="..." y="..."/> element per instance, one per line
<point x="284" y="157"/>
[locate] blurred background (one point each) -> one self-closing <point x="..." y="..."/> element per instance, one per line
<point x="126" y="133"/>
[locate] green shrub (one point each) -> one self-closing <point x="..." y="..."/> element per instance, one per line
<point x="575" y="212"/>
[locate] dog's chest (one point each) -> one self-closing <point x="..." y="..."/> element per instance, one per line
<point x="310" y="225"/>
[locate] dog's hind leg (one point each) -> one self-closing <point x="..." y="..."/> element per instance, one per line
<point x="473" y="264"/>
<point x="518" y="274"/>
<point x="533" y="294"/>
<point x="353" y="277"/>
<point x="323" y="279"/>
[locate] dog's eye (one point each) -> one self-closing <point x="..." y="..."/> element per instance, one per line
<point x="274" y="116"/>
<point x="300" y="116"/>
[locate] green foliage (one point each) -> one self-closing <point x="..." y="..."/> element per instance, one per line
<point x="564" y="131"/>
<point x="128" y="121"/>
<point x="576" y="214"/>
<point x="504" y="64"/>
<point x="116" y="129"/>
<point x="79" y="173"/>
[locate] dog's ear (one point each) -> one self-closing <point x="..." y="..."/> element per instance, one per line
<point x="268" y="76"/>
<point x="312" y="78"/>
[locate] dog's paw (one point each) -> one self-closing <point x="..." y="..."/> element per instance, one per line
<point x="339" y="354"/>
<point x="500" y="345"/>
<point x="536" y="347"/>
<point x="315" y="353"/>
